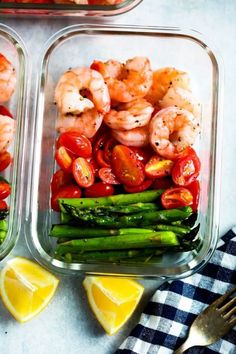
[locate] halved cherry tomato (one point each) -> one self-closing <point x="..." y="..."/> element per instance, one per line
<point x="5" y="112"/>
<point x="99" y="189"/>
<point x="127" y="168"/>
<point x="101" y="159"/>
<point x="98" y="150"/>
<point x="186" y="152"/>
<point x="108" y="147"/>
<point x="69" y="191"/>
<point x="63" y="159"/>
<point x="5" y="160"/>
<point x="107" y="176"/>
<point x="162" y="183"/>
<point x="142" y="187"/>
<point x="3" y="205"/>
<point x="83" y="172"/>
<point x="75" y="142"/>
<point x="176" y="197"/>
<point x="60" y="179"/>
<point x="186" y="170"/>
<point x="158" y="167"/>
<point x="194" y="188"/>
<point x="93" y="163"/>
<point x="143" y="154"/>
<point x="5" y="189"/>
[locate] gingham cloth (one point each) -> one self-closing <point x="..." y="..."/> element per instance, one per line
<point x="164" y="325"/>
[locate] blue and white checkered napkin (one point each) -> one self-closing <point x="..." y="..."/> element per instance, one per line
<point x="164" y="325"/>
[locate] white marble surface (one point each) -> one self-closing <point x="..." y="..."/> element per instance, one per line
<point x="67" y="325"/>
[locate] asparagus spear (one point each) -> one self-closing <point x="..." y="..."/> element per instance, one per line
<point x="132" y="220"/>
<point x="3" y="225"/>
<point x="2" y="235"/>
<point x="119" y="199"/>
<point x="74" y="232"/>
<point x="110" y="256"/>
<point x="155" y="239"/>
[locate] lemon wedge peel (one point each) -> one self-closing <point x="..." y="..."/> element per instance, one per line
<point x="113" y="305"/>
<point x="26" y="288"/>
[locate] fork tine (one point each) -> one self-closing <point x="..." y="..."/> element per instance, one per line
<point x="227" y="306"/>
<point x="222" y="298"/>
<point x="232" y="323"/>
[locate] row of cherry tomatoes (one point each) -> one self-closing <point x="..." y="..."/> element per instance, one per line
<point x="103" y="167"/>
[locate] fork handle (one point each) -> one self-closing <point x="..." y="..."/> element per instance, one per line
<point x="187" y="344"/>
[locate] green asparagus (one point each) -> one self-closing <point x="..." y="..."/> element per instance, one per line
<point x="119" y="199"/>
<point x="155" y="239"/>
<point x="131" y="220"/>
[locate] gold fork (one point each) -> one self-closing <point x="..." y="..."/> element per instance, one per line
<point x="212" y="324"/>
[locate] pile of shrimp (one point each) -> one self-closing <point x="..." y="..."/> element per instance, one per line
<point x="139" y="105"/>
<point x="7" y="87"/>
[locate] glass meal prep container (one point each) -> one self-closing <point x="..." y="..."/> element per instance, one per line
<point x="65" y="8"/>
<point x="165" y="47"/>
<point x="12" y="47"/>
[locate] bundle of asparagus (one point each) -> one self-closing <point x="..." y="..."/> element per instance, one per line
<point x="121" y="228"/>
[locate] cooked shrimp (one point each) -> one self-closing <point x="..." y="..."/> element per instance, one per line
<point x="7" y="130"/>
<point x="181" y="98"/>
<point x="128" y="81"/>
<point x="165" y="78"/>
<point x="172" y="130"/>
<point x="134" y="137"/>
<point x="87" y="123"/>
<point x="76" y="82"/>
<point x="129" y="115"/>
<point x="7" y="79"/>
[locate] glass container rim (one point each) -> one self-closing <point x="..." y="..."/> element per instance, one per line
<point x="15" y="215"/>
<point x="127" y="270"/>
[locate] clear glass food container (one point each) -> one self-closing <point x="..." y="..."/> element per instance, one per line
<point x="184" y="50"/>
<point x="12" y="47"/>
<point x="68" y="8"/>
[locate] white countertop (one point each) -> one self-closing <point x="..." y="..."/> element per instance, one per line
<point x="67" y="325"/>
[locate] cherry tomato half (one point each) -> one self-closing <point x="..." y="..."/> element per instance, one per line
<point x="5" y="112"/>
<point x="158" y="167"/>
<point x="69" y="191"/>
<point x="107" y="176"/>
<point x="5" y="189"/>
<point x="162" y="183"/>
<point x="99" y="151"/>
<point x="5" y="160"/>
<point x="63" y="159"/>
<point x="99" y="189"/>
<point x="83" y="172"/>
<point x="108" y="147"/>
<point x="143" y="154"/>
<point x="75" y="142"/>
<point x="194" y="188"/>
<point x="176" y="198"/>
<point x="186" y="170"/>
<point x="60" y="179"/>
<point x="3" y="205"/>
<point x="142" y="187"/>
<point x="126" y="166"/>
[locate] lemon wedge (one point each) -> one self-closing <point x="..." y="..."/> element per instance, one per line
<point x="26" y="288"/>
<point x="113" y="300"/>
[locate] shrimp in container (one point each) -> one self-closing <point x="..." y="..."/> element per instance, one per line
<point x="172" y="130"/>
<point x="165" y="78"/>
<point x="87" y="123"/>
<point x="127" y="81"/>
<point x="129" y="115"/>
<point x="135" y="137"/>
<point x="7" y="130"/>
<point x="82" y="98"/>
<point x="7" y="79"/>
<point x="181" y="98"/>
